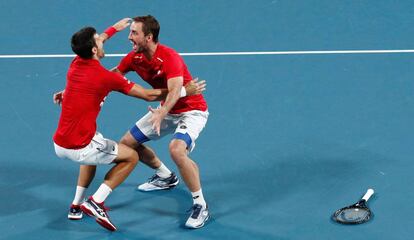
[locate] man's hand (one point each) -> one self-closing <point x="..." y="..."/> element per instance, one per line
<point x="156" y="118"/>
<point x="195" y="87"/>
<point x="58" y="97"/>
<point x="119" y="26"/>
<point x="122" y="24"/>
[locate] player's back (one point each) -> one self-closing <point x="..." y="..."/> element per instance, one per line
<point x="85" y="91"/>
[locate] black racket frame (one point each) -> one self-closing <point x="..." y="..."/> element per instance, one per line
<point x="361" y="205"/>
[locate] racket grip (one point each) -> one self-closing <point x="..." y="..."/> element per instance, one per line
<point x="368" y="194"/>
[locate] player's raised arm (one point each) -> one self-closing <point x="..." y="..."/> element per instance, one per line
<point x="117" y="27"/>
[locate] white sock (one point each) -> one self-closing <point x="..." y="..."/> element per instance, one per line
<point x="102" y="193"/>
<point x="198" y="198"/>
<point x="163" y="171"/>
<point x="79" y="195"/>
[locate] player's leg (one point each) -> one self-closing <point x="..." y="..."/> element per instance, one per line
<point x="141" y="132"/>
<point x="189" y="127"/>
<point x="187" y="167"/>
<point x="146" y="154"/>
<point x="86" y="175"/>
<point x="125" y="162"/>
<point x="190" y="174"/>
<point x="105" y="151"/>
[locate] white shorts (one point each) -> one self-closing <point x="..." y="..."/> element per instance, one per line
<point x="185" y="126"/>
<point x="99" y="151"/>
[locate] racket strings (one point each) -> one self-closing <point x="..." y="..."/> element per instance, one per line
<point x="353" y="215"/>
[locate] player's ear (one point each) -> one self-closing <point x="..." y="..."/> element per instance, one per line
<point x="94" y="50"/>
<point x="149" y="37"/>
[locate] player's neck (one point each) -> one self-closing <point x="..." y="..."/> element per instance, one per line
<point x="95" y="56"/>
<point x="151" y="51"/>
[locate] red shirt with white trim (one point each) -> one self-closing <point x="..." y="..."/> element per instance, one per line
<point x="88" y="84"/>
<point x="165" y="64"/>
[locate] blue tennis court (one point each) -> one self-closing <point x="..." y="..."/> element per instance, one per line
<point x="290" y="137"/>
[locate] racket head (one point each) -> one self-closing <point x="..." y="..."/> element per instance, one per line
<point x="354" y="214"/>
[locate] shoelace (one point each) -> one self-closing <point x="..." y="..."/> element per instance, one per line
<point x="196" y="209"/>
<point x="155" y="176"/>
<point x="159" y="181"/>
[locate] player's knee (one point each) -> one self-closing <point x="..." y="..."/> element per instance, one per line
<point x="134" y="157"/>
<point x="178" y="151"/>
<point x="127" y="154"/>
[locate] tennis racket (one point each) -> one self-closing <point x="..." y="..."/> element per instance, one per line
<point x="356" y="213"/>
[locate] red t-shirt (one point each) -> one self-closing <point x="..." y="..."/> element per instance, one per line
<point x="88" y="83"/>
<point x="165" y="64"/>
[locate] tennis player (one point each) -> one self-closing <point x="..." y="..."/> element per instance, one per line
<point x="184" y="118"/>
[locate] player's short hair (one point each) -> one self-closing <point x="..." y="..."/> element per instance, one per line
<point x="149" y="25"/>
<point x="83" y="41"/>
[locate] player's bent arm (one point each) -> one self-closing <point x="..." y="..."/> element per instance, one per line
<point x="193" y="87"/>
<point x="174" y="88"/>
<point x="149" y="95"/>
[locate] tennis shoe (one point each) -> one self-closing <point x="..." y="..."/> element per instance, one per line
<point x="75" y="212"/>
<point x="198" y="217"/>
<point x="156" y="182"/>
<point x="98" y="211"/>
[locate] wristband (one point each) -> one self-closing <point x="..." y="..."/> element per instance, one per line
<point x="183" y="92"/>
<point x="110" y="31"/>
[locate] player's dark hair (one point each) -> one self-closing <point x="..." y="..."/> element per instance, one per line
<point x="149" y="25"/>
<point x="83" y="41"/>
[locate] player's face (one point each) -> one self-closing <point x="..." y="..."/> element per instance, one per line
<point x="99" y="46"/>
<point x="137" y="37"/>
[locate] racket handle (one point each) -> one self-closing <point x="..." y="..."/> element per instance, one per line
<point x="368" y="194"/>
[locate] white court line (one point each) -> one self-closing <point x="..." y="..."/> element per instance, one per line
<point x="229" y="53"/>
